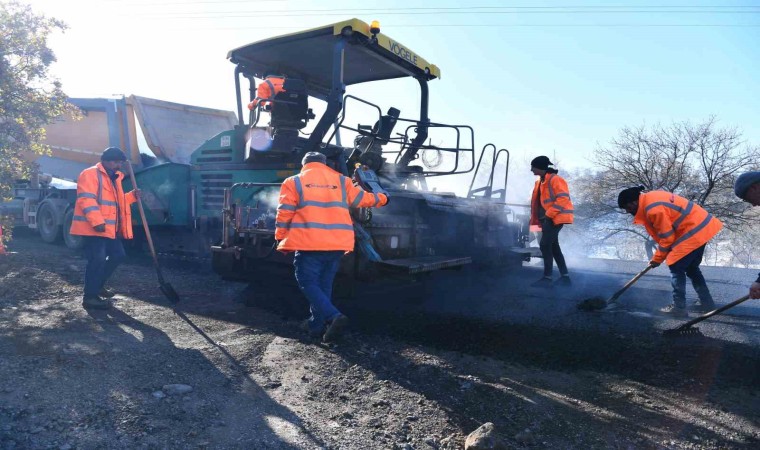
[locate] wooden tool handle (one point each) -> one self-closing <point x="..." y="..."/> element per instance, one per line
<point x="714" y="312"/>
<point x="142" y="216"/>
<point x="629" y="284"/>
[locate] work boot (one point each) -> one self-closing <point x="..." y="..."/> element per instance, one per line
<point x="705" y="302"/>
<point x="543" y="282"/>
<point x="106" y="293"/>
<point x="702" y="307"/>
<point x="675" y="311"/>
<point x="335" y="328"/>
<point x="95" y="302"/>
<point x="305" y="326"/>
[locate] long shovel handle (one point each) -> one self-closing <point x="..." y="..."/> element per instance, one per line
<point x="145" y="223"/>
<point x="617" y="294"/>
<point x="712" y="313"/>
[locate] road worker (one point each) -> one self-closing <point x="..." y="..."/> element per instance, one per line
<point x="313" y="220"/>
<point x="747" y="188"/>
<point x="102" y="215"/>
<point x="267" y="89"/>
<point x="681" y="229"/>
<point x="550" y="210"/>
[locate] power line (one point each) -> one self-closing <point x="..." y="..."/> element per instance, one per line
<point x="195" y="2"/>
<point x="589" y="7"/>
<point x="612" y="25"/>
<point x="470" y="10"/>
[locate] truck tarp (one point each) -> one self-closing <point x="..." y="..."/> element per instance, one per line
<point x="173" y="130"/>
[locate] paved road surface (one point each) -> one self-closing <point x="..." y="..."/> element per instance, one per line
<point x="506" y="296"/>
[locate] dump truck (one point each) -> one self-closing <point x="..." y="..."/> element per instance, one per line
<point x="170" y="131"/>
<point x="224" y="201"/>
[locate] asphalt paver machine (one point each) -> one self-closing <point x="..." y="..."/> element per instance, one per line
<point x="422" y="229"/>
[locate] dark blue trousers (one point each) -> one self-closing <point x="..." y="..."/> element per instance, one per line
<point x="315" y="272"/>
<point x="688" y="266"/>
<point x="103" y="256"/>
<point x="550" y="249"/>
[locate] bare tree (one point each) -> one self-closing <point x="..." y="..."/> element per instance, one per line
<point x="697" y="161"/>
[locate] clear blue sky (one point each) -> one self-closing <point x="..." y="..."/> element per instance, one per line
<point x="537" y="77"/>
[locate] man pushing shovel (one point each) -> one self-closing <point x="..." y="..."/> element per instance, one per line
<point x="681" y="229"/>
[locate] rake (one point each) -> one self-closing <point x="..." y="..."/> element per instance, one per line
<point x="686" y="328"/>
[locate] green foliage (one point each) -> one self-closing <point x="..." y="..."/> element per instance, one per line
<point x="30" y="97"/>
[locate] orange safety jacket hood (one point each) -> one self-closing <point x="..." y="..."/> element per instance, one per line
<point x="313" y="213"/>
<point x="98" y="202"/>
<point x="555" y="198"/>
<point x="679" y="226"/>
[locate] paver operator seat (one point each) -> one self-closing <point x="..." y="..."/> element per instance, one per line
<point x="287" y="101"/>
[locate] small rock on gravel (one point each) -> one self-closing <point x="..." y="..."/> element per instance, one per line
<point x="484" y="438"/>
<point x="159" y="394"/>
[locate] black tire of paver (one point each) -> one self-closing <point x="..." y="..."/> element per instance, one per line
<point x="72" y="241"/>
<point x="47" y="223"/>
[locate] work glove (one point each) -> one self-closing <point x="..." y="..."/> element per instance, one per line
<point x="100" y="228"/>
<point x="754" y="290"/>
<point x="654" y="264"/>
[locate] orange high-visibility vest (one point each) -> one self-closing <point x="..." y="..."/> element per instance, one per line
<point x="97" y="201"/>
<point x="313" y="213"/>
<point x="266" y="91"/>
<point x="679" y="226"/>
<point x="555" y="198"/>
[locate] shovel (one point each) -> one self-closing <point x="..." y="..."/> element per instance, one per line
<point x="591" y="304"/>
<point x="686" y="328"/>
<point x="165" y="287"/>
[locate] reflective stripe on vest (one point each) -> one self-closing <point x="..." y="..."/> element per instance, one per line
<point x="677" y="223"/>
<point x="551" y="189"/>
<point x="271" y="89"/>
<point x="302" y="203"/>
<point x="84" y="219"/>
<point x="552" y="197"/>
<point x="316" y="225"/>
<point x="100" y="187"/>
<point x="685" y="213"/>
<point x="693" y="231"/>
<point x="357" y="200"/>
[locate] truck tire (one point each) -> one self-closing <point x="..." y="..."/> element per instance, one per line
<point x="72" y="241"/>
<point x="47" y="223"/>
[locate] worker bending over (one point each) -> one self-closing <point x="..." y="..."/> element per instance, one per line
<point x="681" y="229"/>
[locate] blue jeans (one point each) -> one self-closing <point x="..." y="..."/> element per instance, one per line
<point x="315" y="272"/>
<point x="688" y="266"/>
<point x="103" y="256"/>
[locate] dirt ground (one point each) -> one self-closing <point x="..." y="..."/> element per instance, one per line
<point x="73" y="379"/>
